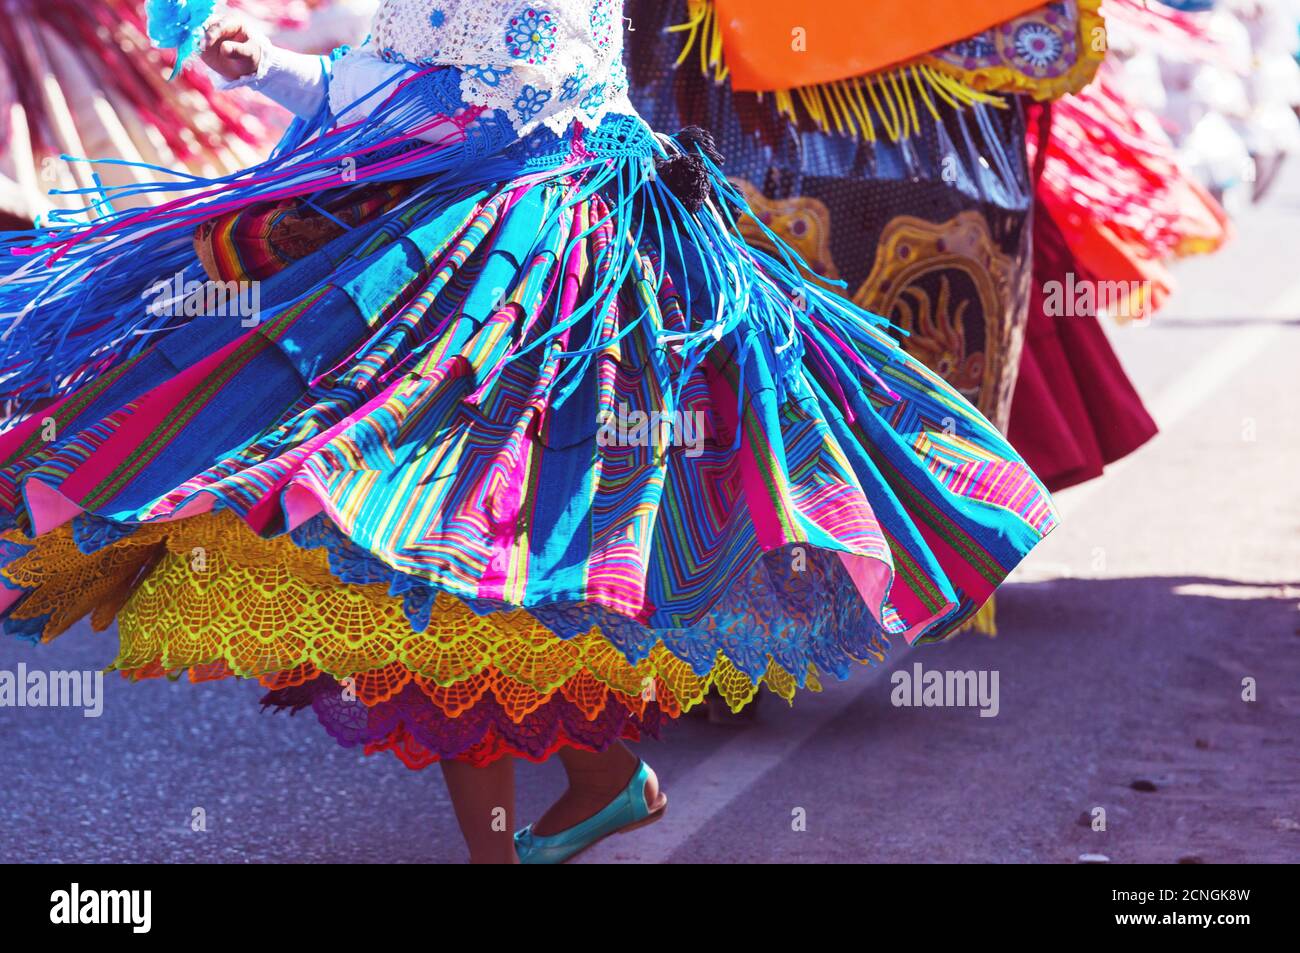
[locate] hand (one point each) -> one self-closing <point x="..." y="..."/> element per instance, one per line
<point x="230" y="48"/>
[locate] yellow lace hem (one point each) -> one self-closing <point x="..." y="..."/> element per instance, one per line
<point x="209" y="596"/>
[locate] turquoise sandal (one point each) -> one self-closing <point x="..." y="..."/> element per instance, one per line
<point x="626" y="812"/>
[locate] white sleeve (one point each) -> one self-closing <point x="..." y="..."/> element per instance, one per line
<point x="362" y="80"/>
<point x="353" y="85"/>
<point x="297" y="81"/>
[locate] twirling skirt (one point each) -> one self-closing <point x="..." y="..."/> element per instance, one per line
<point x="429" y="492"/>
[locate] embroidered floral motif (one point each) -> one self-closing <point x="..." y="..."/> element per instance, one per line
<point x="530" y="102"/>
<point x="1046" y="52"/>
<point x="488" y="75"/>
<point x="573" y="85"/>
<point x="594" y="99"/>
<point x="531" y="36"/>
<point x="618" y="81"/>
<point x="393" y="56"/>
<point x="602" y="22"/>
<point x="560" y="48"/>
<point x="1038" y="44"/>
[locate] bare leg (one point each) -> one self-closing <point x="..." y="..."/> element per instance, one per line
<point x="484" y="799"/>
<point x="595" y="779"/>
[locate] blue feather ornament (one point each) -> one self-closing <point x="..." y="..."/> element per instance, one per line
<point x="177" y="25"/>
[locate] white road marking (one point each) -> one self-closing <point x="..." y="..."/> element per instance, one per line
<point x="708" y="788"/>
<point x="1199" y="383"/>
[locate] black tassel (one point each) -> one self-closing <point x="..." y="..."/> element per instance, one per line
<point x="685" y="174"/>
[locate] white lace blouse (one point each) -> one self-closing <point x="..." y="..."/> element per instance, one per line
<point x="546" y="63"/>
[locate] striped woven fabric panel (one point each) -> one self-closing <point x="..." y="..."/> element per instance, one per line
<point x="439" y="391"/>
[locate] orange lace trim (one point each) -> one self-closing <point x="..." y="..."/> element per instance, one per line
<point x="492" y="748"/>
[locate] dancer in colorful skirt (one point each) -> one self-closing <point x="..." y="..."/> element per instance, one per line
<point x="469" y="420"/>
<point x="896" y="163"/>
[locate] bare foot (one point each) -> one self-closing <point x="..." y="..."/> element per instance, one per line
<point x="594" y="781"/>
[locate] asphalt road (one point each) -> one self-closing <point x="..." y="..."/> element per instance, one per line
<point x="1123" y="647"/>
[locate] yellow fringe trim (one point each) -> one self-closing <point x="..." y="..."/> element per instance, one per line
<point x="705" y="35"/>
<point x="855" y="107"/>
<point x="886" y="103"/>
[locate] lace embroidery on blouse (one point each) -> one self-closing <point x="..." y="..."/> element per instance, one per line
<point x="539" y="63"/>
